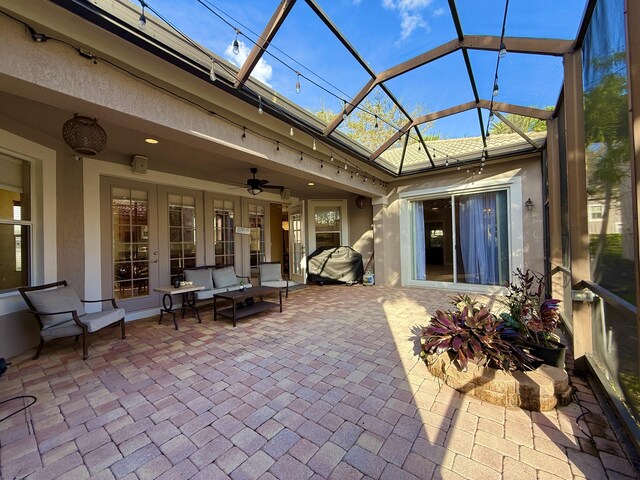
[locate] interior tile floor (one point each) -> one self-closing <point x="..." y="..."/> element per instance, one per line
<point x="330" y="388"/>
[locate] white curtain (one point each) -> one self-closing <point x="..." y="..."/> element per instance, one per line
<point x="419" y="241"/>
<point x="478" y="243"/>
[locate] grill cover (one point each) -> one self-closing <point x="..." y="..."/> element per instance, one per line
<point x="335" y="265"/>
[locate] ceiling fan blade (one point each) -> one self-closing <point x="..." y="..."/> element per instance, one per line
<point x="263" y="182"/>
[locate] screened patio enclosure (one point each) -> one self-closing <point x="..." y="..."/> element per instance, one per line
<point x="483" y="135"/>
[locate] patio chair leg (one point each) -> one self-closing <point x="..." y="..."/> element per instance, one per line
<point x="39" y="349"/>
<point x="85" y="352"/>
<point x="122" y="328"/>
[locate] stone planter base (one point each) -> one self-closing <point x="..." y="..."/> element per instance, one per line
<point x="540" y="390"/>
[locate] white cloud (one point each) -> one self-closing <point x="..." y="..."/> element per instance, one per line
<point x="410" y="14"/>
<point x="409" y="23"/>
<point x="261" y="72"/>
<point x="439" y="12"/>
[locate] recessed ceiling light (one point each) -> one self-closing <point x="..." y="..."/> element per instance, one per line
<point x="311" y="184"/>
<point x="153" y="141"/>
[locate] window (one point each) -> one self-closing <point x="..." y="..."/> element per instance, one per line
<point x="129" y="213"/>
<point x="223" y="232"/>
<point x="461" y="239"/>
<point x="328" y="224"/>
<point x="15" y="223"/>
<point x="182" y="233"/>
<point x="595" y="212"/>
<point x="256" y="223"/>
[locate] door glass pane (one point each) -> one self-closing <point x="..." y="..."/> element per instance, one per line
<point x="295" y="225"/>
<point x="433" y="240"/>
<point x="223" y="236"/>
<point x="130" y="244"/>
<point x="256" y="223"/>
<point x="182" y="240"/>
<point x="328" y="225"/>
<point x="482" y="238"/>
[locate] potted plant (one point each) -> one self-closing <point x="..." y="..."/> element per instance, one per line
<point x="471" y="333"/>
<point x="534" y="316"/>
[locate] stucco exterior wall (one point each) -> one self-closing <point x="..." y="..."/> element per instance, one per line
<point x="388" y="230"/>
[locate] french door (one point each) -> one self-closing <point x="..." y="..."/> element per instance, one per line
<point x="298" y="258"/>
<point x="129" y="242"/>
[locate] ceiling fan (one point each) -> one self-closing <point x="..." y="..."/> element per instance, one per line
<point x="256" y="186"/>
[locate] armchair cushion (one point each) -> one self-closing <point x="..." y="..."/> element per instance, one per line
<point x="269" y="272"/>
<point x="200" y="276"/>
<point x="225" y="277"/>
<point x="96" y="321"/>
<point x="64" y="329"/>
<point x="59" y="299"/>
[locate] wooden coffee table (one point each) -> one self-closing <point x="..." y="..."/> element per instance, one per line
<point x="235" y="313"/>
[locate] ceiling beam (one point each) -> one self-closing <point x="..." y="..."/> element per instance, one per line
<point x="537" y="46"/>
<point x="463" y="107"/>
<point x="350" y="106"/>
<point x="390" y="141"/>
<point x="515" y="129"/>
<point x="517" y="110"/>
<point x="263" y="41"/>
<point x="419" y="60"/>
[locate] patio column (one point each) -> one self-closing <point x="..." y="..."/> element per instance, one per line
<point x="379" y="246"/>
<point x="555" y="212"/>
<point x="632" y="19"/>
<point x="577" y="198"/>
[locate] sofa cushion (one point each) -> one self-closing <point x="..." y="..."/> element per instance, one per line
<point x="269" y="272"/>
<point x="201" y="276"/>
<point x="224" y="277"/>
<point x="60" y="299"/>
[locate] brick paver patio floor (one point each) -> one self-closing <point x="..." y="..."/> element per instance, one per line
<point x="331" y="388"/>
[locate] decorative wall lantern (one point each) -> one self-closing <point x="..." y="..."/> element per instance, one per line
<point x="84" y="135"/>
<point x="529" y="204"/>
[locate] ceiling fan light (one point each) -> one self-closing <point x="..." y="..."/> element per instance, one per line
<point x="254" y="190"/>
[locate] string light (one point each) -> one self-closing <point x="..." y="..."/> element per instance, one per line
<point x="236" y="44"/>
<point x="344" y="109"/>
<point x="376" y="124"/>
<point x="321" y="164"/>
<point x="297" y="82"/>
<point x="503" y="50"/>
<point x="213" y="77"/>
<point x="314" y="145"/>
<point x="496" y="89"/>
<point x="142" y="21"/>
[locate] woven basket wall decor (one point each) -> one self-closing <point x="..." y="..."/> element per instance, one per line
<point x="84" y="135"/>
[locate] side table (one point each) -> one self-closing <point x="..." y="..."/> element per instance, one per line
<point x="188" y="300"/>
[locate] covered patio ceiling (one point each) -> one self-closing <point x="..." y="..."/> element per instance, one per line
<point x="389" y="81"/>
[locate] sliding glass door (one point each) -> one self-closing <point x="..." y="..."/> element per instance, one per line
<point x="461" y="238"/>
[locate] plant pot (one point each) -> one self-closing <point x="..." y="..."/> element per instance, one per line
<point x="550" y="355"/>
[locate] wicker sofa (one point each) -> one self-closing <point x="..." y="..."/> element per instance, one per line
<point x="215" y="280"/>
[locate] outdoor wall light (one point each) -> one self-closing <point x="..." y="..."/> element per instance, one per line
<point x="529" y="204"/>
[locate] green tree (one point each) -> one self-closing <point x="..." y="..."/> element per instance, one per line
<point x="360" y="125"/>
<point x="607" y="138"/>
<point x="525" y="124"/>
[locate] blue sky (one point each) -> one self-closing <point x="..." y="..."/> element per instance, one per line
<point x="385" y="33"/>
